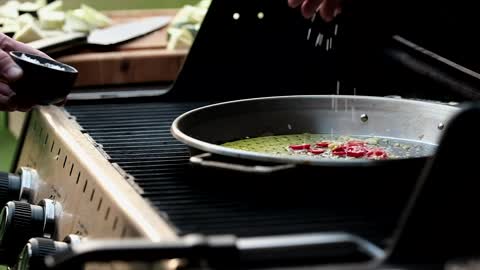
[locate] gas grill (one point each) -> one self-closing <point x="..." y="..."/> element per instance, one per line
<point x="109" y="169"/>
<point x="137" y="138"/>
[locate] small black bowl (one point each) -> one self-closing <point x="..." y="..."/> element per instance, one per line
<point x="44" y="81"/>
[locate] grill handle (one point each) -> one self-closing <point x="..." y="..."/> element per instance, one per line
<point x="225" y="252"/>
<point x="207" y="160"/>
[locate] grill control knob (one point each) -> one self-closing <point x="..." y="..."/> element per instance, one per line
<point x="20" y="221"/>
<point x="36" y="250"/>
<point x="18" y="187"/>
<point x="10" y="186"/>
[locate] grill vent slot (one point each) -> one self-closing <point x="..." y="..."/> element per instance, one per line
<point x="115" y="221"/>
<point x="93" y="194"/>
<point x="85" y="186"/>
<point x="137" y="137"/>
<point x="99" y="205"/>
<point x="107" y="213"/>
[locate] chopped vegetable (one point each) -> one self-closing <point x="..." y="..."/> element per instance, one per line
<point x="185" y="25"/>
<point x="28" y="33"/>
<point x="95" y="18"/>
<point x="179" y="39"/>
<point x="323" y="144"/>
<point x="52" y="19"/>
<point x="25" y="19"/>
<point x="20" y="19"/>
<point x="53" y="6"/>
<point x="29" y="7"/>
<point x="10" y="10"/>
<point x="75" y="22"/>
<point x="316" y="151"/>
<point x="357" y="151"/>
<point x="339" y="151"/>
<point x="300" y="147"/>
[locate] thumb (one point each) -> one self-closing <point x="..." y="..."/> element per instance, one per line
<point x="9" y="70"/>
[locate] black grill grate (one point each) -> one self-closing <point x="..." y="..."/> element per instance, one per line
<point x="137" y="137"/>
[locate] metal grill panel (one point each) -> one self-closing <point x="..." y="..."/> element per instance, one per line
<point x="137" y="137"/>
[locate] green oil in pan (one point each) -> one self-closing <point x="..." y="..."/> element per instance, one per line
<point x="334" y="146"/>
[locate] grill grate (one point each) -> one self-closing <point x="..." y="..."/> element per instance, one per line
<point x="137" y="137"/>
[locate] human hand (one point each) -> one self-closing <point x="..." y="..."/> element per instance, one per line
<point x="328" y="9"/>
<point x="10" y="72"/>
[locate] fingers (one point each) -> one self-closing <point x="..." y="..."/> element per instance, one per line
<point x="295" y="3"/>
<point x="309" y="7"/>
<point x="5" y="90"/>
<point x="328" y="8"/>
<point x="8" y="44"/>
<point x="21" y="104"/>
<point x="9" y="71"/>
<point x="5" y="98"/>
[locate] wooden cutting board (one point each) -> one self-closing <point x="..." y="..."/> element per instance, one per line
<point x="143" y="60"/>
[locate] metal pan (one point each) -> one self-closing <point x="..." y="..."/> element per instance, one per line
<point x="389" y="181"/>
<point x="206" y="128"/>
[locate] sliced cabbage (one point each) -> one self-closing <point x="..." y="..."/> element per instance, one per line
<point x="8" y="25"/>
<point x="28" y="33"/>
<point x="26" y="19"/>
<point x="94" y="17"/>
<point x="52" y="20"/>
<point x="74" y="22"/>
<point x="186" y="15"/>
<point x="186" y="23"/>
<point x="9" y="10"/>
<point x="41" y="3"/>
<point x="205" y="4"/>
<point x="53" y="6"/>
<point x="179" y="39"/>
<point x="29" y="7"/>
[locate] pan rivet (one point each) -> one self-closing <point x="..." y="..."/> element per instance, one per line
<point x="364" y="117"/>
<point x="441" y="126"/>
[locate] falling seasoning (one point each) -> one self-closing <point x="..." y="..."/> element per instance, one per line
<point x="319" y="40"/>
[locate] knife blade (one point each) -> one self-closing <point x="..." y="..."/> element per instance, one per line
<point x="109" y="36"/>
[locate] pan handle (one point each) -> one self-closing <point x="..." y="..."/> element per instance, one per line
<point x="203" y="161"/>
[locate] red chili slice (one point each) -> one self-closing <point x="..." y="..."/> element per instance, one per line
<point x="356" y="151"/>
<point x="381" y="154"/>
<point x="316" y="151"/>
<point x="323" y="144"/>
<point x="377" y="153"/>
<point x="339" y="151"/>
<point x="300" y="147"/>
